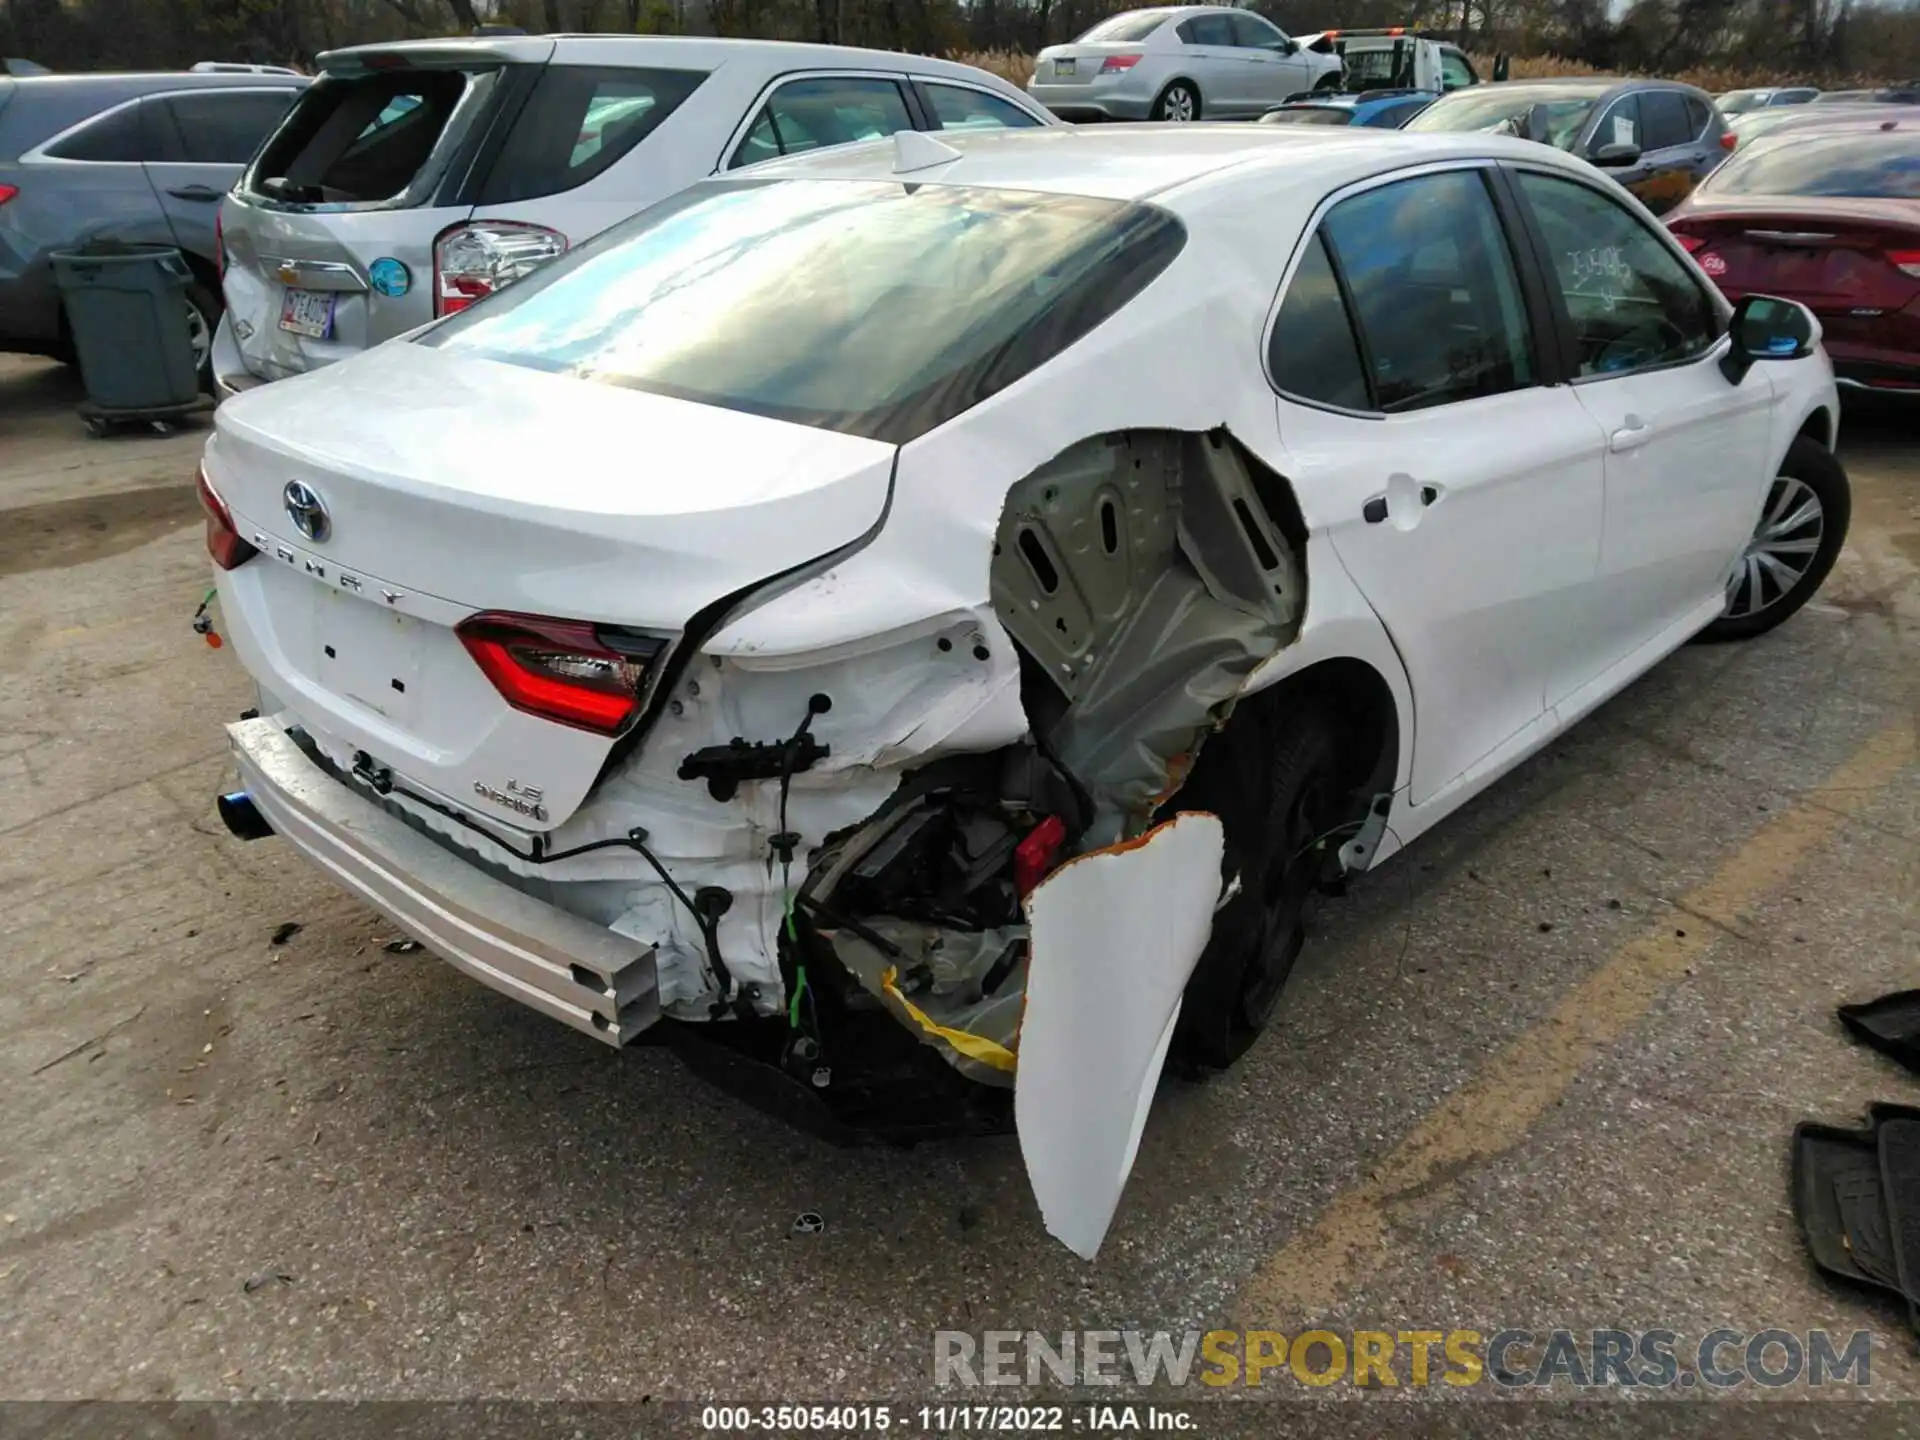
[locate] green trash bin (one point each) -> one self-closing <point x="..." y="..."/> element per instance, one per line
<point x="127" y="310"/>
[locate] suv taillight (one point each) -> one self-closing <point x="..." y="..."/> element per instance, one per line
<point x="476" y="258"/>
<point x="587" y="676"/>
<point x="7" y="192"/>
<point x="223" y="541"/>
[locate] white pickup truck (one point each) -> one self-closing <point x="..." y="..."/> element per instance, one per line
<point x="1399" y="59"/>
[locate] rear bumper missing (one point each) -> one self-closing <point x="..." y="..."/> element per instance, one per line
<point x="589" y="977"/>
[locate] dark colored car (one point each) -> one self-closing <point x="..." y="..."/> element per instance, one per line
<point x="1376" y="109"/>
<point x="1658" y="138"/>
<point x="1830" y="218"/>
<point x="138" y="158"/>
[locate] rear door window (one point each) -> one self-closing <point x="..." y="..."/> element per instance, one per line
<point x="812" y="114"/>
<point x="116" y="137"/>
<point x="359" y="139"/>
<point x="956" y="107"/>
<point x="1697" y="116"/>
<point x="1663" y="116"/>
<point x="1207" y="30"/>
<point x="215" y="127"/>
<point x="1434" y="291"/>
<point x="1620" y="125"/>
<point x="578" y="122"/>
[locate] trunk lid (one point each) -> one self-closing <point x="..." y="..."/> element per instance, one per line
<point x="1080" y="62"/>
<point x="453" y="485"/>
<point x="369" y="165"/>
<point x="1832" y="256"/>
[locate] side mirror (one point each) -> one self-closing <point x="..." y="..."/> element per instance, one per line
<point x="1289" y="47"/>
<point x="1616" y="156"/>
<point x="1500" y="68"/>
<point x="1765" y="328"/>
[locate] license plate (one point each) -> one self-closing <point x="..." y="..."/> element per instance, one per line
<point x="308" y="312"/>
<point x="369" y="654"/>
<point x="1064" y="67"/>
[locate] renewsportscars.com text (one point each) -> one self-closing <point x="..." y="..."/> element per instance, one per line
<point x="1511" y="1359"/>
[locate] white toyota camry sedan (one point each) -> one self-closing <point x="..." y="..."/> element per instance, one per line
<point x="916" y="624"/>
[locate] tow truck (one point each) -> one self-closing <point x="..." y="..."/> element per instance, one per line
<point x="1397" y="60"/>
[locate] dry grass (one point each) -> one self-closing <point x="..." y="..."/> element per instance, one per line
<point x="1017" y="67"/>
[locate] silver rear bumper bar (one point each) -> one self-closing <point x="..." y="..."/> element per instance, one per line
<point x="592" y="978"/>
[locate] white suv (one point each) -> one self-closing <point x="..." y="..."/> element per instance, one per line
<point x="414" y="178"/>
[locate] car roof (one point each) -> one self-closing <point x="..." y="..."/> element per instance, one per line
<point x="1138" y="161"/>
<point x="697" y="51"/>
<point x="141" y="82"/>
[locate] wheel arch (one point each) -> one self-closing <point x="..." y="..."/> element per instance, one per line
<point x="1818" y="427"/>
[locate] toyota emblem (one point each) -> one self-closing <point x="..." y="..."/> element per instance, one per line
<point x="306" y="510"/>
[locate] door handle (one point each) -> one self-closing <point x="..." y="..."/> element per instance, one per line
<point x="194" y="192"/>
<point x="1374" y="512"/>
<point x="1630" y="436"/>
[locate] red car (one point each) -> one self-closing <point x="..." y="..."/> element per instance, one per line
<point x="1830" y="218"/>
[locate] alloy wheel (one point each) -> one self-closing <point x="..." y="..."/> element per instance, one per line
<point x="1178" y="106"/>
<point x="200" y="336"/>
<point x="1782" y="549"/>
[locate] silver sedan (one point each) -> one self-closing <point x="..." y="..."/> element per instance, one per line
<point x="1178" y="63"/>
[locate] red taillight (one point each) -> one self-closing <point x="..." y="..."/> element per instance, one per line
<point x="1690" y="243"/>
<point x="223" y="541"/>
<point x="474" y="259"/>
<point x="1034" y="857"/>
<point x="569" y="671"/>
<point x="1906" y="261"/>
<point x="1728" y="140"/>
<point x="7" y="192"/>
<point x="1114" y="64"/>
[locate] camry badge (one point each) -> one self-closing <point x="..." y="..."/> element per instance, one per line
<point x="306" y="510"/>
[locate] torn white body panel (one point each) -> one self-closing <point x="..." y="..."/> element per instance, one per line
<point x="1116" y="933"/>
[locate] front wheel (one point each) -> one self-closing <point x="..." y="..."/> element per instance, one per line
<point x="1179" y="103"/>
<point x="1802" y="525"/>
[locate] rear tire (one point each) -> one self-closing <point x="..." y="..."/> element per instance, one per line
<point x="1179" y="103"/>
<point x="1802" y="525"/>
<point x="203" y="318"/>
<point x="1275" y="782"/>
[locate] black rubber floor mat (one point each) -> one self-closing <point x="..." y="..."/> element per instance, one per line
<point x="1899" y="1142"/>
<point x="1890" y="1025"/>
<point x="1838" y="1204"/>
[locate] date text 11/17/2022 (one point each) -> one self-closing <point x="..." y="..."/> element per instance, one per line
<point x="946" y="1419"/>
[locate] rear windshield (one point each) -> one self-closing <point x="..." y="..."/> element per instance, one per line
<point x="579" y="120"/>
<point x="1309" y="115"/>
<point x="361" y="139"/>
<point x="875" y="308"/>
<point x="1378" y="67"/>
<point x="1136" y="25"/>
<point x="1503" y="109"/>
<point x="1871" y="165"/>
